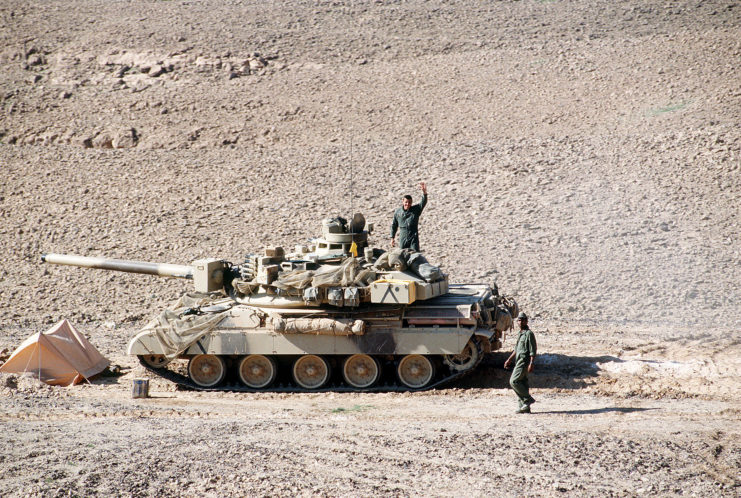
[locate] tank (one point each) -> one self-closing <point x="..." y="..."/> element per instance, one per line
<point x="335" y="313"/>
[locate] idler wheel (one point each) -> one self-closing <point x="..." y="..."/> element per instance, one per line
<point x="311" y="371"/>
<point x="153" y="360"/>
<point x="206" y="370"/>
<point x="464" y="360"/>
<point x="257" y="371"/>
<point x="361" y="370"/>
<point x="415" y="371"/>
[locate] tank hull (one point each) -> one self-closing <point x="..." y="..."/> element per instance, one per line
<point x="225" y="340"/>
<point x="448" y="335"/>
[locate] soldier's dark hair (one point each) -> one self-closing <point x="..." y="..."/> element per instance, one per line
<point x="408" y="197"/>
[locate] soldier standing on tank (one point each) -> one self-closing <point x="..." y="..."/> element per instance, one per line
<point x="406" y="220"/>
<point x="524" y="356"/>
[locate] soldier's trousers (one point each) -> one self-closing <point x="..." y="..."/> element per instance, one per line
<point x="409" y="240"/>
<point x="519" y="381"/>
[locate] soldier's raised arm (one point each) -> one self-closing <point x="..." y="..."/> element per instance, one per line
<point x="423" y="201"/>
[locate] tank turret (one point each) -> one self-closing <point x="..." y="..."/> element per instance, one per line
<point x="338" y="238"/>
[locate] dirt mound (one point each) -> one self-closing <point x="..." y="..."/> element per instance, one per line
<point x="24" y="384"/>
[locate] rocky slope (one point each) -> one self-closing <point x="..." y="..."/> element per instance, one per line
<point x="583" y="155"/>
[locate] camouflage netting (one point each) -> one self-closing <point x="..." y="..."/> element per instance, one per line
<point x="348" y="274"/>
<point x="176" y="330"/>
<point x="317" y="326"/>
<point x="245" y="287"/>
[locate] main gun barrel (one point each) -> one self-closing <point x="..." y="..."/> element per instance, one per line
<point x="160" y="269"/>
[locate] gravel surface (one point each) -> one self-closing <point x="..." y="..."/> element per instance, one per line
<point x="585" y="156"/>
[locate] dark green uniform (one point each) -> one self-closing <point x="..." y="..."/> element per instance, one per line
<point x="407" y="222"/>
<point x="524" y="350"/>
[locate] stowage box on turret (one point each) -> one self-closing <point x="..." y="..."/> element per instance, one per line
<point x="335" y="313"/>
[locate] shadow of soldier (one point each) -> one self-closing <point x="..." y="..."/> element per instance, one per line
<point x="595" y="411"/>
<point x="552" y="371"/>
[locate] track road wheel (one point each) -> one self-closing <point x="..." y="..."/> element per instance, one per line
<point x="206" y="370"/>
<point x="257" y="371"/>
<point x="464" y="360"/>
<point x="415" y="371"/>
<point x="361" y="370"/>
<point x="311" y="371"/>
<point x="153" y="360"/>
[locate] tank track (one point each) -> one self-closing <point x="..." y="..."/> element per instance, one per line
<point x="184" y="382"/>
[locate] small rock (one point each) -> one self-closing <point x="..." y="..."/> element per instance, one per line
<point x="35" y="78"/>
<point x="35" y="60"/>
<point x="156" y="70"/>
<point x="102" y="141"/>
<point x="256" y="64"/>
<point x="125" y="138"/>
<point x="65" y="95"/>
<point x="11" y="381"/>
<point x="121" y="71"/>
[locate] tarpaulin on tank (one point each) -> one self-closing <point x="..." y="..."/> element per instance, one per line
<point x="403" y="259"/>
<point x="245" y="287"/>
<point x="295" y="279"/>
<point x="60" y="356"/>
<point x="347" y="274"/>
<point x="504" y="313"/>
<point x="419" y="265"/>
<point x="188" y="320"/>
<point x="317" y="326"/>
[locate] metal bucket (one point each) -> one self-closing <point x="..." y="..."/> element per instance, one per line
<point x="140" y="388"/>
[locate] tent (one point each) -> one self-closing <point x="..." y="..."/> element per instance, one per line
<point x="60" y="356"/>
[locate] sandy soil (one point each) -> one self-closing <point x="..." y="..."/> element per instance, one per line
<point x="585" y="156"/>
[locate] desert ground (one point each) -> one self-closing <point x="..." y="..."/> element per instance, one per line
<point x="585" y="156"/>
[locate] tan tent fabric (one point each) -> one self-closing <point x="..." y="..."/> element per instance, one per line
<point x="60" y="356"/>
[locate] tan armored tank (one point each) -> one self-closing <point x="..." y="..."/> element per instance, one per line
<point x="334" y="314"/>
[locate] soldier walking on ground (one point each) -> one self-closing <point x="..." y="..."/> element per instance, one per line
<point x="524" y="356"/>
<point x="406" y="220"/>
